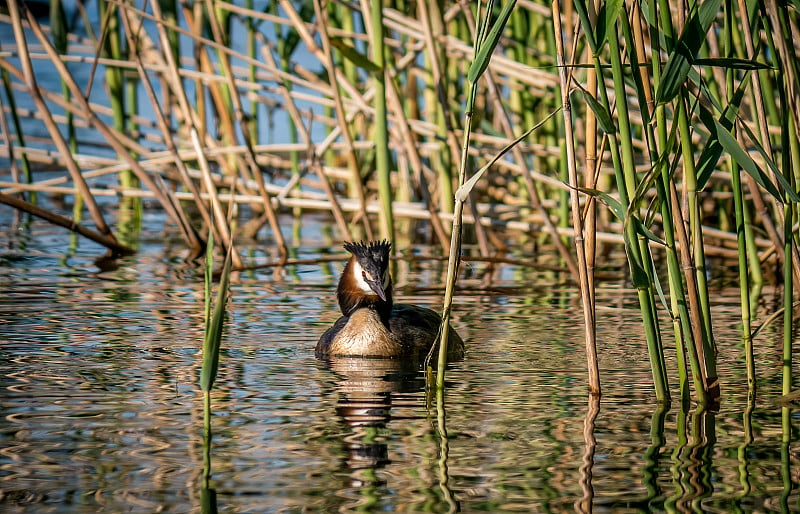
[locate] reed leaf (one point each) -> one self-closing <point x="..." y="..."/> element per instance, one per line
<point x="732" y="63"/>
<point x="487" y="46"/>
<point x="351" y="54"/>
<point x="214" y="319"/>
<point x="786" y="186"/>
<point x="463" y="191"/>
<point x="602" y="114"/>
<point x="730" y="145"/>
<point x="683" y="54"/>
<point x="606" y="19"/>
<point x="713" y="148"/>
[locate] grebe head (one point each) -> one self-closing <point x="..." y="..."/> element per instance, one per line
<point x="366" y="280"/>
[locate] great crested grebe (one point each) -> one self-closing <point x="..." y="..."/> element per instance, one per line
<point x="371" y="324"/>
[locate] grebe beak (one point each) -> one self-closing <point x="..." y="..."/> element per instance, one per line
<point x="377" y="288"/>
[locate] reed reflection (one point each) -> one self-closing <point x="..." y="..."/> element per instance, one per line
<point x="587" y="459"/>
<point x="653" y="454"/>
<point x="693" y="459"/>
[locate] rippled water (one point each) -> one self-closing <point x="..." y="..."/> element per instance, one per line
<point x="100" y="408"/>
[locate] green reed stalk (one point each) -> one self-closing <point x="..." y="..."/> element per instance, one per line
<point x="381" y="128"/>
<point x="691" y="247"/>
<point x="343" y="14"/>
<point x="131" y="208"/>
<point x="112" y="49"/>
<point x="524" y="23"/>
<point x="455" y="243"/>
<point x="685" y="336"/>
<point x="516" y="51"/>
<point x="757" y="100"/>
<point x="168" y="12"/>
<point x="779" y="34"/>
<point x="698" y="252"/>
<point x="659" y="144"/>
<point x="636" y="55"/>
<point x="219" y="20"/>
<point x="58" y="27"/>
<point x="788" y="247"/>
<point x="744" y="278"/>
<point x="638" y="251"/>
<point x="212" y="342"/>
<point x="672" y="88"/>
<point x="485" y="43"/>
<point x="738" y="203"/>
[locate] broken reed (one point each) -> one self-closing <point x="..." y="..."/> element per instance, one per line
<point x="680" y="149"/>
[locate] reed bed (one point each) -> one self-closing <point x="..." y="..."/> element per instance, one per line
<point x="671" y="132"/>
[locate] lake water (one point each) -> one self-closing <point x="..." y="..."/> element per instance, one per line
<point x="100" y="407"/>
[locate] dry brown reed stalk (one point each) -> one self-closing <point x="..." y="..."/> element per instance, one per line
<point x="583" y="271"/>
<point x="250" y="157"/>
<point x="58" y="139"/>
<point x="591" y="169"/>
<point x="337" y="78"/>
<point x="106" y="240"/>
<point x="112" y="137"/>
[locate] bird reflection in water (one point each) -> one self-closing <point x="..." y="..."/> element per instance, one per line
<point x="366" y="388"/>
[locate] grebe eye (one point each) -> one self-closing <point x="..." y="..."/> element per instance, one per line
<point x="365" y="275"/>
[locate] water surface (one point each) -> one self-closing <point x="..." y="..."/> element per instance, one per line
<point x="100" y="408"/>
